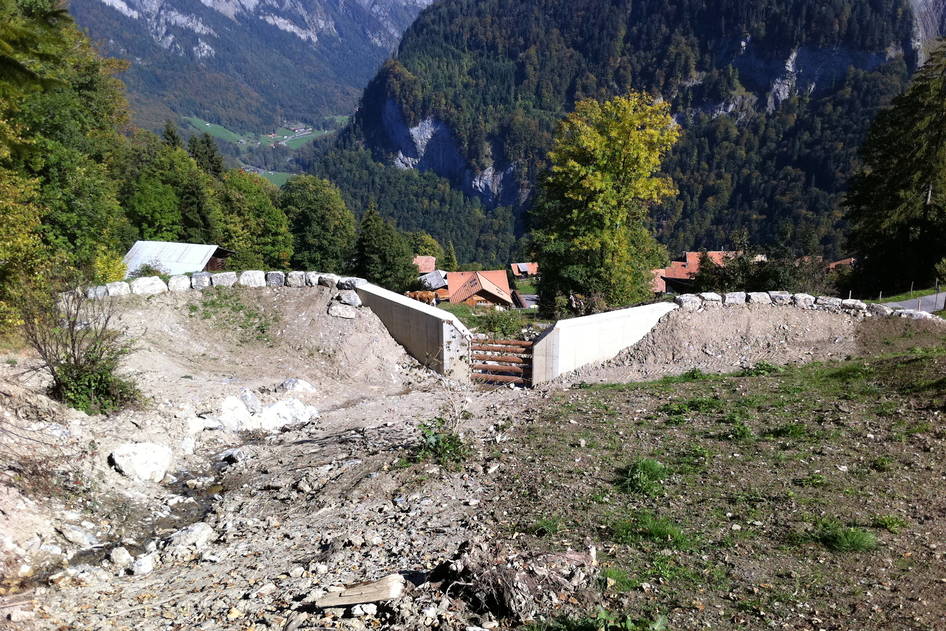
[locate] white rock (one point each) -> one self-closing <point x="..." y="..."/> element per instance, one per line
<point x="252" y="278"/>
<point x="234" y="415"/>
<point x="120" y="288"/>
<point x="223" y="279"/>
<point x="735" y="298"/>
<point x="93" y="293"/>
<point x="711" y="296"/>
<point x="853" y="305"/>
<point x="689" y="302"/>
<point x="759" y="297"/>
<point x="188" y="444"/>
<point x="803" y="301"/>
<point x="179" y="283"/>
<point x="251" y="401"/>
<point x="296" y="385"/>
<point x="121" y="557"/>
<point x="200" y="280"/>
<point x="879" y="309"/>
<point x="275" y="279"/>
<point x="780" y="297"/>
<point x="829" y="302"/>
<point x="283" y="413"/>
<point x="143" y="461"/>
<point x="195" y="536"/>
<point x="351" y="282"/>
<point x="328" y="280"/>
<point x="295" y="279"/>
<point x="79" y="536"/>
<point x="349" y="297"/>
<point x="338" y="310"/>
<point x="148" y="286"/>
<point x="144" y="564"/>
<point x="312" y="278"/>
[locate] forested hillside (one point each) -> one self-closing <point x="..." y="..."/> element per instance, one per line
<point x="249" y="66"/>
<point x="775" y="98"/>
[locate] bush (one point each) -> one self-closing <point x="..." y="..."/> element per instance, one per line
<point x="442" y="444"/>
<point x="73" y="337"/>
<point x="503" y="323"/>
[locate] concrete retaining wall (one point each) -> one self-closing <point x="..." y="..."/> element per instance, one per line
<point x="433" y="336"/>
<point x="578" y="342"/>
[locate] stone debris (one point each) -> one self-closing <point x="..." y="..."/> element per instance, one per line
<point x="689" y="302"/>
<point x="142" y="461"/>
<point x="144" y="564"/>
<point x="351" y="282"/>
<point x="119" y="288"/>
<point x="121" y="557"/>
<point x="328" y="280"/>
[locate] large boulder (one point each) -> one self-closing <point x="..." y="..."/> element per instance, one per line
<point x="780" y="297"/>
<point x="328" y="280"/>
<point x="295" y="279"/>
<point x="759" y="298"/>
<point x="283" y="413"/>
<point x="803" y="301"/>
<point x="711" y="297"/>
<point x="142" y="461"/>
<point x="851" y="304"/>
<point x="234" y="415"/>
<point x="201" y="280"/>
<point x="119" y="288"/>
<point x="312" y="278"/>
<point x="275" y="279"/>
<point x="179" y="283"/>
<point x="689" y="302"/>
<point x="224" y="279"/>
<point x="829" y="303"/>
<point x="252" y="278"/>
<point x="187" y="541"/>
<point x="93" y="293"/>
<point x="735" y="298"/>
<point x="148" y="286"/>
<point x="879" y="309"/>
<point x="351" y="282"/>
<point x="349" y="297"/>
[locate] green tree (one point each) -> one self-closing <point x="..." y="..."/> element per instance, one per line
<point x="592" y="212"/>
<point x="155" y="209"/>
<point x="896" y="203"/>
<point x="204" y="150"/>
<point x="170" y="135"/>
<point x="322" y="226"/>
<point x="251" y="224"/>
<point x="382" y="254"/>
<point x="422" y="244"/>
<point x="449" y="263"/>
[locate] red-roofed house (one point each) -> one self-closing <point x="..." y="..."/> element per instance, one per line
<point x="524" y="270"/>
<point x="479" y="288"/>
<point x="425" y="264"/>
<point x="682" y="269"/>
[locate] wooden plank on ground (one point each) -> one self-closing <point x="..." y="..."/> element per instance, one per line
<point x="506" y="359"/>
<point x="515" y="350"/>
<point x="478" y="376"/>
<point x="387" y="588"/>
<point x="515" y="370"/>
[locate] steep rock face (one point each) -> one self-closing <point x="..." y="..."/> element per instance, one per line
<point x="248" y="64"/>
<point x="782" y="66"/>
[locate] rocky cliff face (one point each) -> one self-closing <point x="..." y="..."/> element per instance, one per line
<point x="269" y="59"/>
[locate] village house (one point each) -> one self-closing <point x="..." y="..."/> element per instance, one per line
<point x="524" y="270"/>
<point x="479" y="289"/>
<point x="169" y="257"/>
<point x="425" y="264"/>
<point x="676" y="277"/>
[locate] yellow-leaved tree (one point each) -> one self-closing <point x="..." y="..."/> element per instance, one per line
<point x="591" y="233"/>
<point x="19" y="242"/>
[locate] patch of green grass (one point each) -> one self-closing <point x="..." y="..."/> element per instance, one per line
<point x="692" y="459"/>
<point x="739" y="432"/>
<point x="603" y="620"/>
<point x="217" y="131"/>
<point x="647" y="526"/>
<point x="761" y="369"/>
<point x="815" y="480"/>
<point x="442" y="445"/>
<point x="698" y="404"/>
<point x="908" y="295"/>
<point x="226" y="306"/>
<point x="839" y="538"/>
<point x="795" y="431"/>
<point x="277" y="178"/>
<point x="643" y="476"/>
<point x="881" y="463"/>
<point x="547" y="526"/>
<point x="890" y="523"/>
<point x="616" y="579"/>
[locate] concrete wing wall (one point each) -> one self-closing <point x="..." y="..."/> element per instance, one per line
<point x="577" y="342"/>
<point x="434" y="337"/>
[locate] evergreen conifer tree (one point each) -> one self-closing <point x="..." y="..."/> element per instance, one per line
<point x="449" y="263"/>
<point x="383" y="255"/>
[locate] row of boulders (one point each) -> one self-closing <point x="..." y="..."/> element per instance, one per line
<point x="695" y="302"/>
<point x="151" y="285"/>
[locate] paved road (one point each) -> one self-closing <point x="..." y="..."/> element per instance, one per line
<point x="931" y="303"/>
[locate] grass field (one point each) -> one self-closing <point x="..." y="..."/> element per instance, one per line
<point x="217" y="131"/>
<point x="277" y="177"/>
<point x="281" y="135"/>
<point x="800" y="497"/>
<point x="909" y="295"/>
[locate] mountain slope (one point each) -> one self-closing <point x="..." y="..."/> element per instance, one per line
<point x="247" y="64"/>
<point x="775" y="97"/>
